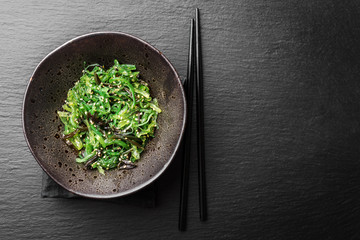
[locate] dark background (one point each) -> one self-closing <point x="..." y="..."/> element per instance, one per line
<point x="282" y="110"/>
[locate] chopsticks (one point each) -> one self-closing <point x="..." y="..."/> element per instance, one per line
<point x="194" y="72"/>
<point x="188" y="86"/>
<point x="200" y="121"/>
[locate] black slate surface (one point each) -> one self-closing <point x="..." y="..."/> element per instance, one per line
<point x="282" y="116"/>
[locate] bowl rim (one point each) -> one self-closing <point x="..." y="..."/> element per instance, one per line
<point x="166" y="165"/>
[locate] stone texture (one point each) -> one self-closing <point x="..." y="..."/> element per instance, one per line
<point x="282" y="93"/>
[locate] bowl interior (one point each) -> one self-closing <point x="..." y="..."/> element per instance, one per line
<point x="46" y="93"/>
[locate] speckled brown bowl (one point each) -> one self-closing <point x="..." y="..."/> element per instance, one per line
<point x="46" y="93"/>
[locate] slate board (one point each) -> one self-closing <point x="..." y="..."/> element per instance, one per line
<point x="282" y="129"/>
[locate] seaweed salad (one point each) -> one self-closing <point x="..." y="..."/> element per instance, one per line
<point x="109" y="116"/>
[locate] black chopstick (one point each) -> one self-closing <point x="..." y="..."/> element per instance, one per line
<point x="188" y="86"/>
<point x="200" y="121"/>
